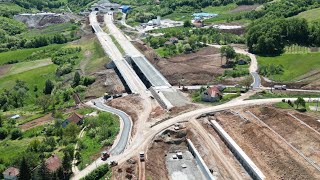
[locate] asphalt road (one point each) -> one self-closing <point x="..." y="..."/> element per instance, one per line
<point x="133" y="81"/>
<point x="127" y="124"/>
<point x="256" y="80"/>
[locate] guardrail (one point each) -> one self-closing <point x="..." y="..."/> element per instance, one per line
<point x="246" y="162"/>
<point x="203" y="167"/>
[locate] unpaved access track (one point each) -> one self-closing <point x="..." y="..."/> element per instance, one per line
<point x="274" y="157"/>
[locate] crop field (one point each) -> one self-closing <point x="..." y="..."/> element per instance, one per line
<point x="295" y="65"/>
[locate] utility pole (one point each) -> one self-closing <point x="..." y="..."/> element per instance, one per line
<point x="317" y="104"/>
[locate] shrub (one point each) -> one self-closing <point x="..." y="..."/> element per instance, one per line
<point x="98" y="173"/>
<point x="16" y="133"/>
<point x="3" y="133"/>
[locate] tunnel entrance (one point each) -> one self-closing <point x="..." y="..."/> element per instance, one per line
<point x="96" y="9"/>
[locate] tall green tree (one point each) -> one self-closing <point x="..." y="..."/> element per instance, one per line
<point x="228" y="52"/>
<point x="25" y="173"/>
<point x="300" y="101"/>
<point x="76" y="79"/>
<point x="48" y="87"/>
<point x="43" y="171"/>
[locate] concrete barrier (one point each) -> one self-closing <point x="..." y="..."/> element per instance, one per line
<point x="246" y="162"/>
<point x="203" y="167"/>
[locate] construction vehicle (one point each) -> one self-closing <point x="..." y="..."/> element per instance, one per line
<point x="113" y="163"/>
<point x="141" y="156"/>
<point x="280" y="87"/>
<point x="104" y="155"/>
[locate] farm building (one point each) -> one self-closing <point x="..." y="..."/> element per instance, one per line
<point x="212" y="94"/>
<point x="11" y="173"/>
<point x="74" y="118"/>
<point x="125" y="8"/>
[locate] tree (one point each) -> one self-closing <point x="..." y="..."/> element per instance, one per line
<point x="76" y="79"/>
<point x="228" y="52"/>
<point x="25" y="173"/>
<point x="48" y="87"/>
<point x="247" y="82"/>
<point x="300" y="101"/>
<point x="43" y="171"/>
<point x="44" y="102"/>
<point x="66" y="162"/>
<point x="187" y="23"/>
<point x="71" y="131"/>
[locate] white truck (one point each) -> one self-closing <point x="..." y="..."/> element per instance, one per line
<point x="280" y="87"/>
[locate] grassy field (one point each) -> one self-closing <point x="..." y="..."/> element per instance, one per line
<point x="224" y="13"/>
<point x="94" y="56"/>
<point x="179" y="16"/>
<point x="28" y="54"/>
<point x="295" y="65"/>
<point x="26" y="66"/>
<point x="284" y="94"/>
<point x="34" y="77"/>
<point x="310" y="15"/>
<point x="93" y="150"/>
<point x="9" y="149"/>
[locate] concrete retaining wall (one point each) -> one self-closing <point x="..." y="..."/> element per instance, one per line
<point x="246" y="162"/>
<point x="203" y="167"/>
<point x="164" y="103"/>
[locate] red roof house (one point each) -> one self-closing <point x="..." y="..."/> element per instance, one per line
<point x="53" y="163"/>
<point x="212" y="94"/>
<point x="11" y="173"/>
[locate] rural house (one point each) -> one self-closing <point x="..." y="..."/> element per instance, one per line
<point x="74" y="118"/>
<point x="53" y="163"/>
<point x="212" y="94"/>
<point x="11" y="173"/>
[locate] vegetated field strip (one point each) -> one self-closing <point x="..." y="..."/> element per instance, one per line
<point x="26" y="66"/>
<point x="275" y="158"/>
<point x="23" y="54"/>
<point x="49" y="30"/>
<point x="299" y="135"/>
<point x="36" y="77"/>
<point x="10" y="149"/>
<point x="310" y="15"/>
<point x="295" y="65"/>
<point x="219" y="9"/>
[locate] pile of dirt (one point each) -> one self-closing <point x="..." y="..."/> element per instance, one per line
<point x="126" y="170"/>
<point x="202" y="67"/>
<point x="107" y="81"/>
<point x="131" y="104"/>
<point x="42" y="19"/>
<point x="275" y="158"/>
